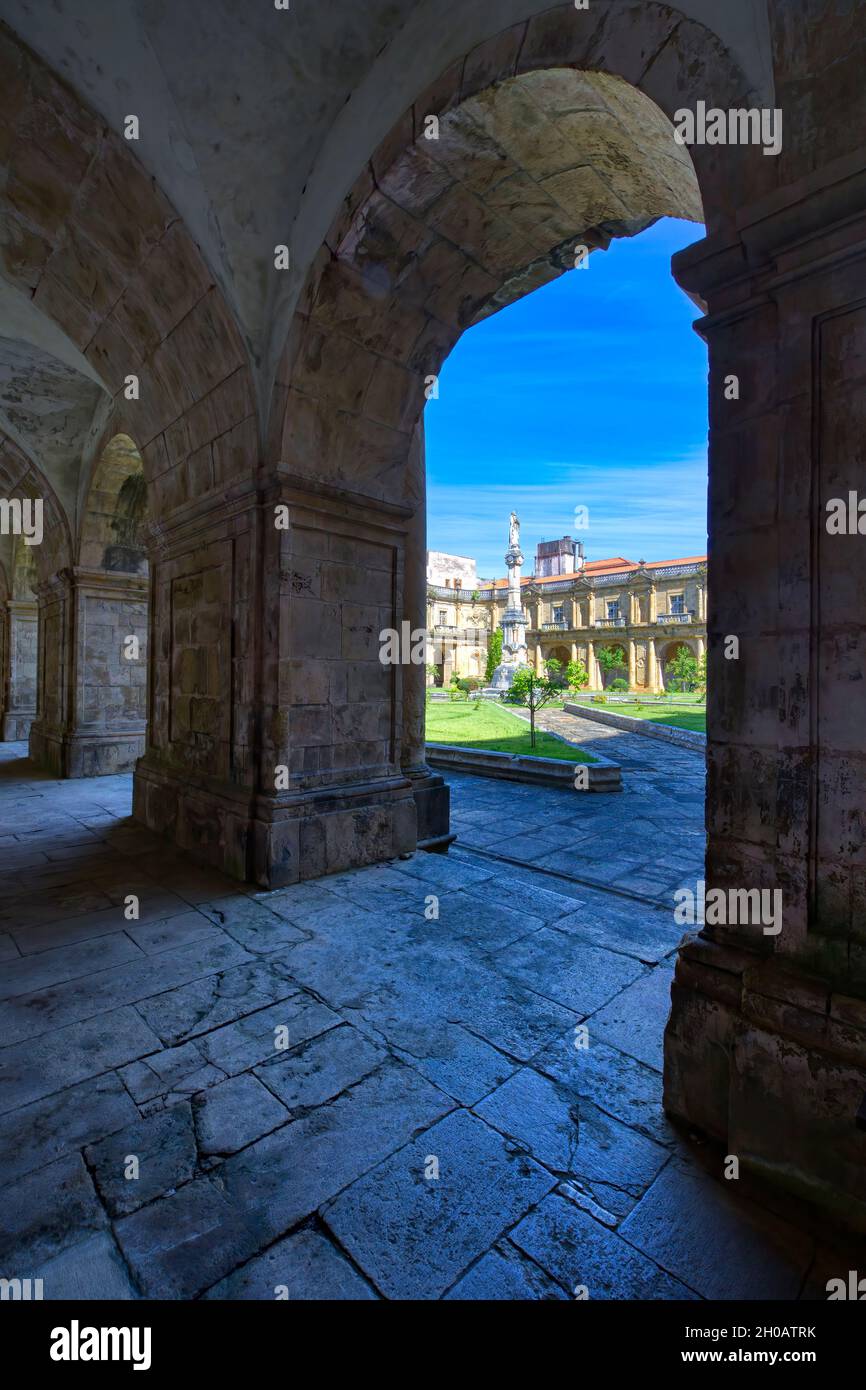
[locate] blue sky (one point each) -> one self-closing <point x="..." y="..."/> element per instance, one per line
<point x="590" y="392"/>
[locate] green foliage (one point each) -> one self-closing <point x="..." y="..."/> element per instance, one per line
<point x="684" y="670"/>
<point x="534" y="691"/>
<point x="610" y="659"/>
<point x="619" y="684"/>
<point x="576" y="675"/>
<point x="598" y="700"/>
<point x="494" y="653"/>
<point x="701" y="685"/>
<point x="468" y="683"/>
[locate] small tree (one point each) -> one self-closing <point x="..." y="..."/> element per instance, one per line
<point x="701" y="686"/>
<point x="535" y="691"/>
<point x="610" y="659"/>
<point x="683" y="670"/>
<point x="576" y="675"/>
<point x="494" y="653"/>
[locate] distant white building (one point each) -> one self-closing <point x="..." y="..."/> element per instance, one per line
<point x="451" y="571"/>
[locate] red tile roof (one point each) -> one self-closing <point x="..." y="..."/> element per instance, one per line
<point x="616" y="565"/>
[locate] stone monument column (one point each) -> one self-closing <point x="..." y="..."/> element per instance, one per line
<point x="514" y="652"/>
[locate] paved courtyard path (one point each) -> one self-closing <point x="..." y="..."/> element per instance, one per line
<point x="367" y="1086"/>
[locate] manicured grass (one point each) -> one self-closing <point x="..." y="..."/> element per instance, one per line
<point x="496" y="728"/>
<point x="694" y="718"/>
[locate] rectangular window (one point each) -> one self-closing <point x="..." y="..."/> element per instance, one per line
<point x="678" y="603"/>
<point x="613" y="608"/>
<point x="558" y="615"/>
<point x="443" y="617"/>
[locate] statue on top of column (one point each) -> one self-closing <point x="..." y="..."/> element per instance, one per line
<point x="514" y="530"/>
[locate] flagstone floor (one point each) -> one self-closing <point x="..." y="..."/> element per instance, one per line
<point x="374" y="1085"/>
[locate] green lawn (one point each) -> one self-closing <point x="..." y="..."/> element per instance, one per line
<point x="694" y="719"/>
<point x="496" y="728"/>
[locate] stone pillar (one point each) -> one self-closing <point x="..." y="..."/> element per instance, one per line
<point x="766" y="1045"/>
<point x="92" y="712"/>
<point x="631" y="664"/>
<point x="652" y="666"/>
<point x="276" y="728"/>
<point x="431" y="792"/>
<point x="18" y="672"/>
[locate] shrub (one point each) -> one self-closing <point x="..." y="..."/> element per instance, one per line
<point x="598" y="700"/>
<point x="619" y="684"/>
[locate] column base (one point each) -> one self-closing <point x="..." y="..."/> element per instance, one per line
<point x="772" y="1062"/>
<point x="433" y="810"/>
<point x="16" y="725"/>
<point x="276" y="841"/>
<point x="86" y="754"/>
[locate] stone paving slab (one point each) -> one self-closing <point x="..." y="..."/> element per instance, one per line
<point x="583" y="1255"/>
<point x="40" y="1066"/>
<point x="504" y="1275"/>
<point x="303" y="1266"/>
<point x="413" y="1234"/>
<point x="221" y="996"/>
<point x="136" y="1164"/>
<point x="696" y="1228"/>
<point x="36" y="1134"/>
<point x="572" y="1138"/>
<point x="91" y="1269"/>
<point x="234" y="1114"/>
<point x="569" y="972"/>
<point x="635" y="1020"/>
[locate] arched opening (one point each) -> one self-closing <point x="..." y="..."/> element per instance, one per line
<point x="18" y="644"/>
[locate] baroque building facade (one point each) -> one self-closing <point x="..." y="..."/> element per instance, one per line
<point x="646" y="611"/>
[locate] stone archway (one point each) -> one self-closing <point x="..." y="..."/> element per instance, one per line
<point x="529" y="172"/>
<point x="99" y="605"/>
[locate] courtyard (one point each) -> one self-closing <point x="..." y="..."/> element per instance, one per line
<point x="435" y="1078"/>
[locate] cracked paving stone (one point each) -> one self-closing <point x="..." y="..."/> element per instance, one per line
<point x="90" y="1269"/>
<point x="184" y="1242"/>
<point x="579" y="977"/>
<point x="252" y="1041"/>
<point x="234" y="1114"/>
<point x="46" y="1212"/>
<point x="219" y="998"/>
<point x="723" y="1245"/>
<point x="578" y="1252"/>
<point x="623" y="1087"/>
<point x="571" y="1138"/>
<point x="322" y="1068"/>
<point x="289" y="1174"/>
<point x="304" y="1266"/>
<point x="30" y="1015"/>
<point x="31" y="1070"/>
<point x="414" y="1235"/>
<point x="43" y="1131"/>
<point x="503" y="1274"/>
<point x="176" y="1071"/>
<point x="164" y="1145"/>
<point x="253" y="925"/>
